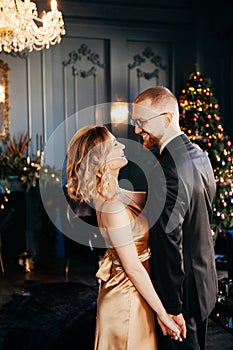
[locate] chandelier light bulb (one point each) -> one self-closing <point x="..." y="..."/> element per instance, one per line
<point x="22" y="29"/>
<point x="53" y="5"/>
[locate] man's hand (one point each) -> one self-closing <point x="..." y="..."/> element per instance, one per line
<point x="179" y="319"/>
<point x="168" y="328"/>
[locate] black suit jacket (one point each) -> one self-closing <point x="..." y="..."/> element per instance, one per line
<point x="181" y="192"/>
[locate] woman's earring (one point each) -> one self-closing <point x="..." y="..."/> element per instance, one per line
<point x="108" y="176"/>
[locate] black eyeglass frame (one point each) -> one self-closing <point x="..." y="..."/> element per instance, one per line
<point x="139" y="122"/>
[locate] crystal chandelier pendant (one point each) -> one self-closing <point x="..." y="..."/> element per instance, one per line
<point x="22" y="29"/>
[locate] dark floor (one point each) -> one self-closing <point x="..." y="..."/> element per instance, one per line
<point x="13" y="281"/>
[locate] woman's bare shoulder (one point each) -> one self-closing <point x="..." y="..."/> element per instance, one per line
<point x="112" y="206"/>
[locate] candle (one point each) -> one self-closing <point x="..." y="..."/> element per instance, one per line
<point x="41" y="143"/>
<point x="44" y="19"/>
<point x="2" y="94"/>
<point x="37" y="146"/>
<point x="42" y="159"/>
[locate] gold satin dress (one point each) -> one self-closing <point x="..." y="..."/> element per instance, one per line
<point x="124" y="320"/>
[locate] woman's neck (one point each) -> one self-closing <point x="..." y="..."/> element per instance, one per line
<point x="114" y="172"/>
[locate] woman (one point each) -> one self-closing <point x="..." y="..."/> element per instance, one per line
<point x="127" y="300"/>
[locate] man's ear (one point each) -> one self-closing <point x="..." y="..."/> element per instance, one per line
<point x="168" y="119"/>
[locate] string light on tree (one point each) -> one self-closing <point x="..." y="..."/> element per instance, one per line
<point x="200" y="120"/>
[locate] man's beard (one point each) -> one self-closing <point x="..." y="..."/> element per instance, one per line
<point x="151" y="142"/>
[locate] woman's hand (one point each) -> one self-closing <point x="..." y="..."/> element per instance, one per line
<point x="169" y="326"/>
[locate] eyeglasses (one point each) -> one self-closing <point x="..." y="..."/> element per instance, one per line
<point x="140" y="123"/>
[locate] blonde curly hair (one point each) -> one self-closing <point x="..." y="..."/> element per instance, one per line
<point x="87" y="173"/>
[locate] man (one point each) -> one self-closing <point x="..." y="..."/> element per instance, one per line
<point x="180" y="195"/>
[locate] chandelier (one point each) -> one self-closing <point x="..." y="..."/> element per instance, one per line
<point x="22" y="29"/>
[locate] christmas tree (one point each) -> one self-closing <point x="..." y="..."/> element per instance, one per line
<point x="201" y="122"/>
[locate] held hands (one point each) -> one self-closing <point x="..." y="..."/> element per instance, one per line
<point x="171" y="325"/>
<point x="179" y="319"/>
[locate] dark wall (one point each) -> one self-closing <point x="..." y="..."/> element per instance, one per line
<point x="214" y="37"/>
<point x="204" y="36"/>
